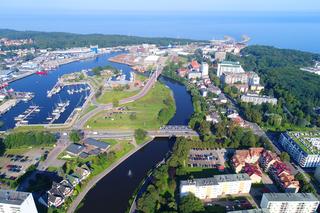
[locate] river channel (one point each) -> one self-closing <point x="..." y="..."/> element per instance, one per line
<point x="113" y="192"/>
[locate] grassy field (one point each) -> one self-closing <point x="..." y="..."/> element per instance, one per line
<point x="109" y="96"/>
<point x="28" y="128"/>
<point x="87" y="110"/>
<point x="146" y="110"/>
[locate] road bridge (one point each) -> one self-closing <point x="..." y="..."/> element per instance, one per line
<point x="166" y="131"/>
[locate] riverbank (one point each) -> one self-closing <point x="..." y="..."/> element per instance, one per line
<point x="98" y="177"/>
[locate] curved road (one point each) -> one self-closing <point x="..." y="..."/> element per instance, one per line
<point x="82" y="121"/>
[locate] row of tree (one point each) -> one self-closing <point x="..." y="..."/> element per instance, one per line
<point x="29" y="139"/>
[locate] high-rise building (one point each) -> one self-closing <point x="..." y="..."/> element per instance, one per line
<point x="229" y="67"/>
<point x="219" y="185"/>
<point x="303" y="147"/>
<point x="289" y="202"/>
<point x="16" y="202"/>
<point x="204" y="70"/>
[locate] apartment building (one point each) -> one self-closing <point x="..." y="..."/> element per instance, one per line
<point x="214" y="187"/>
<point x="204" y="70"/>
<point x="289" y="202"/>
<point x="303" y="147"/>
<point x="17" y="202"/>
<point x="229" y="67"/>
<point x="258" y="99"/>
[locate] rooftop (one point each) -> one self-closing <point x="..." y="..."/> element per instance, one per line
<point x="308" y="141"/>
<point x="252" y="211"/>
<point x="96" y="143"/>
<point x="13" y="197"/>
<point x="75" y="148"/>
<point x="216" y="179"/>
<point x="290" y="197"/>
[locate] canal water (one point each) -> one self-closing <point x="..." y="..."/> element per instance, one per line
<point x="113" y="192"/>
<point x="40" y="84"/>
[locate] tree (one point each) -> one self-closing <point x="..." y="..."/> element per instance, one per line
<point x="133" y="116"/>
<point x="75" y="136"/>
<point x="140" y="135"/>
<point x="163" y="115"/>
<point x="191" y="204"/>
<point x="284" y="156"/>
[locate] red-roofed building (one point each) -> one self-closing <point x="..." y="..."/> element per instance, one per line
<point x="283" y="177"/>
<point x="238" y="121"/>
<point x="195" y="65"/>
<point x="254" y="172"/>
<point x="241" y="157"/>
<point x="267" y="159"/>
<point x="182" y="72"/>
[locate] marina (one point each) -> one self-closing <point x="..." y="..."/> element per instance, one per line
<point x="56" y="113"/>
<point x="22" y="119"/>
<point x="35" y="87"/>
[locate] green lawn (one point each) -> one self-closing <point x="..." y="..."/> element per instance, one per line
<point x="109" y="96"/>
<point x="29" y="128"/>
<point x="146" y="109"/>
<point x="88" y="109"/>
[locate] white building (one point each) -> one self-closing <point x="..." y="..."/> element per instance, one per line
<point x="289" y="202"/>
<point x="219" y="185"/>
<point x="16" y="202"/>
<point x="258" y="99"/>
<point x="253" y="79"/>
<point x="194" y="75"/>
<point x="229" y="67"/>
<point x="317" y="174"/>
<point x="220" y="56"/>
<point x="300" y="147"/>
<point x="204" y="70"/>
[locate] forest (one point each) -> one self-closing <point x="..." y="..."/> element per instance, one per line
<point x="56" y="40"/>
<point x="298" y="91"/>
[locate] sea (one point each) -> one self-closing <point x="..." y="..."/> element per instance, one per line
<point x="293" y="30"/>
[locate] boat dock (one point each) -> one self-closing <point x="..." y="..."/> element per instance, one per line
<point x="6" y="106"/>
<point x="55" y="115"/>
<point x="55" y="90"/>
<point x="22" y="118"/>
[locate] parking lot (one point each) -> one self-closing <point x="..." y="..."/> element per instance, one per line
<point x="15" y="165"/>
<point x="232" y="204"/>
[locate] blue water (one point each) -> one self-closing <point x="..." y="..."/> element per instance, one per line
<point x="280" y="29"/>
<point x="39" y="85"/>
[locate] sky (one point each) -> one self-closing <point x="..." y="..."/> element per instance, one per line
<point x="160" y="5"/>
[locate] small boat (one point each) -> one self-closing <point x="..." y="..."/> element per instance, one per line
<point x="129" y="173"/>
<point x="24" y="122"/>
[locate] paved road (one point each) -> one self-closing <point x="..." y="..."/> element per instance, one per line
<point x="82" y="121"/>
<point x="52" y="160"/>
